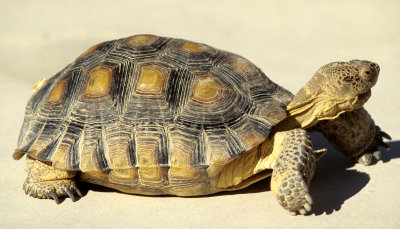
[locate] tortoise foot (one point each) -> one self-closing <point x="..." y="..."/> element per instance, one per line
<point x="293" y="195"/>
<point x="372" y="154"/>
<point x="52" y="189"/>
<point x="47" y="182"/>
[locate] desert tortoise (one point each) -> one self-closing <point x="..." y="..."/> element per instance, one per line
<point x="156" y="115"/>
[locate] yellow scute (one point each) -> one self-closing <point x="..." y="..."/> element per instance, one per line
<point x="142" y="39"/>
<point x="152" y="80"/>
<point x="98" y="83"/>
<point x="194" y="47"/>
<point x="57" y="92"/>
<point x="207" y="89"/>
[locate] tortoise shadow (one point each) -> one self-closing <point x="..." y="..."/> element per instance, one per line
<point x="393" y="153"/>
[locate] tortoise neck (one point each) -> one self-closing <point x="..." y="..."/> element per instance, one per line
<point x="317" y="101"/>
<point x="303" y="120"/>
<point x="304" y="108"/>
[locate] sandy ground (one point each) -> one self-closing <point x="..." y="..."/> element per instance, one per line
<point x="289" y="40"/>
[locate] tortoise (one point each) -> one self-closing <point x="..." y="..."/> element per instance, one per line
<point x="162" y="116"/>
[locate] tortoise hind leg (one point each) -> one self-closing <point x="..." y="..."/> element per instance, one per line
<point x="293" y="170"/>
<point x="46" y="182"/>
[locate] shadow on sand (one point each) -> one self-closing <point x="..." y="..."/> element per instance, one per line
<point x="335" y="181"/>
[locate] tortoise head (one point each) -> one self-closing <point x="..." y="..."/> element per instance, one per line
<point x="349" y="80"/>
<point x="335" y="88"/>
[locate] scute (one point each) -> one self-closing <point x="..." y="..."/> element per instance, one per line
<point x="98" y="82"/>
<point x="152" y="80"/>
<point x="173" y="106"/>
<point x="207" y="90"/>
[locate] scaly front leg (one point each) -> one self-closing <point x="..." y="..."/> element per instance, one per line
<point x="356" y="135"/>
<point x="293" y="170"/>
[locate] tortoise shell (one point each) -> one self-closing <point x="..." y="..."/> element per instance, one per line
<point x="149" y="101"/>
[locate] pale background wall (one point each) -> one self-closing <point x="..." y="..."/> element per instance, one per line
<point x="289" y="40"/>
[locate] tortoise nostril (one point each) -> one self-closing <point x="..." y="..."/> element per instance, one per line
<point x="374" y="67"/>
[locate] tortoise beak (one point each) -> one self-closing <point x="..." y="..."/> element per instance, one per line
<point x="370" y="71"/>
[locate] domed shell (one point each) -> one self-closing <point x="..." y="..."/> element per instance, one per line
<point x="151" y="101"/>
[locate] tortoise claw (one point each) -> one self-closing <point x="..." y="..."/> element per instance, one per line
<point x="52" y="189"/>
<point x="54" y="196"/>
<point x="303" y="211"/>
<point x="385" y="135"/>
<point x="377" y="155"/>
<point x="365" y="159"/>
<point x="70" y="194"/>
<point x="78" y="191"/>
<point x="379" y="139"/>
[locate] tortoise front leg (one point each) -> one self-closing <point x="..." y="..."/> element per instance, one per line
<point x="293" y="170"/>
<point x="46" y="182"/>
<point x="355" y="135"/>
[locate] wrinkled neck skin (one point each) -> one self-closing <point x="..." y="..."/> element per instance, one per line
<point x="319" y="100"/>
